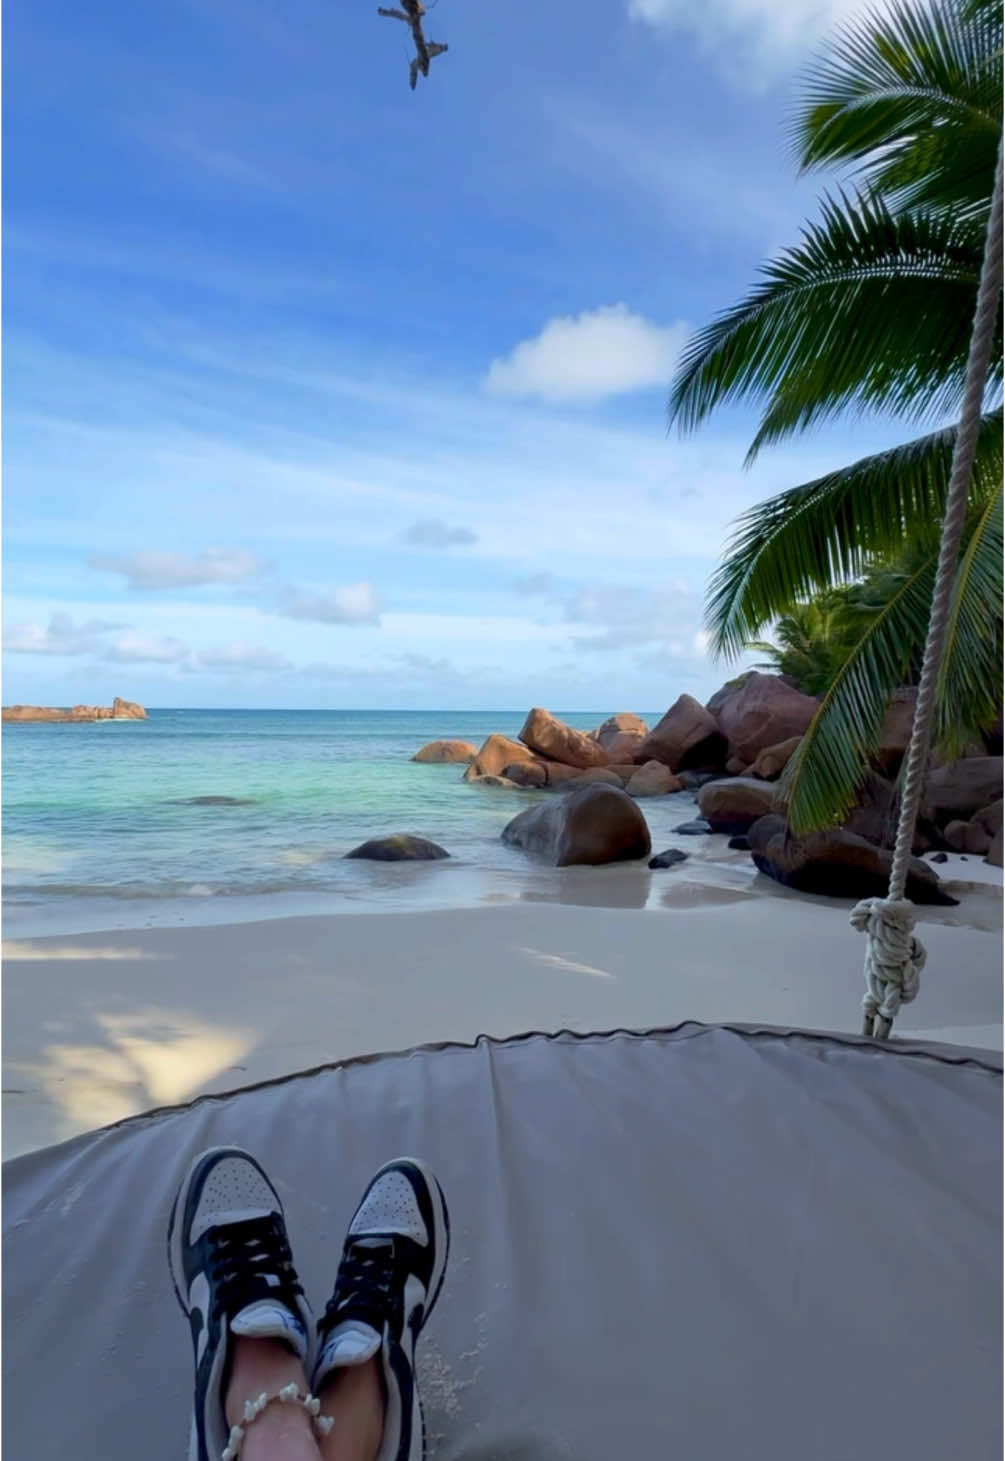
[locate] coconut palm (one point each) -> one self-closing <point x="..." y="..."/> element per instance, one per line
<point x="811" y="641"/>
<point x="872" y="310"/>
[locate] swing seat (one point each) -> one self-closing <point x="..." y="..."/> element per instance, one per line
<point x="701" y="1242"/>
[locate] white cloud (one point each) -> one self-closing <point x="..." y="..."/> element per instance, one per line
<point x="356" y="603"/>
<point x="132" y="648"/>
<point x="602" y="352"/>
<point x="432" y="532"/>
<point x="753" y="41"/>
<point x="621" y="617"/>
<point x="148" y="569"/>
<point x="61" y="637"/>
<point x="236" y="658"/>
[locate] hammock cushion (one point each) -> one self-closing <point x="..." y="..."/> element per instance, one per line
<point x="705" y="1242"/>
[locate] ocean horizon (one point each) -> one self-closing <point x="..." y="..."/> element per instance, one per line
<point x="106" y="824"/>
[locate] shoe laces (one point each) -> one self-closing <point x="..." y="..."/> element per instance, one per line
<point x="369" y="1279"/>
<point x="252" y="1260"/>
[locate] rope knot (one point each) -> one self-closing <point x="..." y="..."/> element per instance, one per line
<point x="894" y="959"/>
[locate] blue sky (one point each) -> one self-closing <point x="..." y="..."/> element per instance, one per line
<point x="322" y="393"/>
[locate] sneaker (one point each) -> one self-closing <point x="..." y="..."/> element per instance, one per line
<point x="233" y="1274"/>
<point x="388" y="1282"/>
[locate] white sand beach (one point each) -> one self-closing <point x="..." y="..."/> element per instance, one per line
<point x="101" y="1026"/>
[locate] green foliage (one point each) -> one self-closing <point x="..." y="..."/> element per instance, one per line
<point x="871" y="309"/>
<point x="831" y="530"/>
<point x="912" y="95"/>
<point x="891" y="607"/>
<point x="812" y="641"/>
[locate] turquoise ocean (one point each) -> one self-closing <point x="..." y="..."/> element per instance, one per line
<point x="102" y="828"/>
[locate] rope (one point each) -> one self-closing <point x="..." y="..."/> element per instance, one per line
<point x="894" y="959"/>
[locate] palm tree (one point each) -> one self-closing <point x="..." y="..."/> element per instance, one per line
<point x="872" y="310"/>
<point x="813" y="640"/>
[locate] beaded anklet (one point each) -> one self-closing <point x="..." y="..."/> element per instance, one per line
<point x="288" y="1395"/>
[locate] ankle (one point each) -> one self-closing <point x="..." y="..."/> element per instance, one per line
<point x="261" y="1367"/>
<point x="357" y="1396"/>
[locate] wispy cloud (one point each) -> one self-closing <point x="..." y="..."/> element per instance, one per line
<point x="754" y="42"/>
<point x="729" y="193"/>
<point x="148" y="570"/>
<point x="603" y="352"/>
<point x="432" y="532"/>
<point x="61" y="637"/>
<point x="624" y="617"/>
<point x="357" y="603"/>
<point x="111" y="643"/>
<point x="132" y="648"/>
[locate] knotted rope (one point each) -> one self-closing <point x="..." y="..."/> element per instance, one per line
<point x="894" y="958"/>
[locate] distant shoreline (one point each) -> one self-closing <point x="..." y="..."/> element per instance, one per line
<point x="77" y="714"/>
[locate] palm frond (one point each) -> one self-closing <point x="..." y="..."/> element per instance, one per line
<point x="823" y="777"/>
<point x="830" y="530"/>
<point x="868" y="310"/>
<point x="912" y="94"/>
<point x="969" y="690"/>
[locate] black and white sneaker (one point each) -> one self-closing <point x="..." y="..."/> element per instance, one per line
<point x="233" y="1274"/>
<point x="390" y="1277"/>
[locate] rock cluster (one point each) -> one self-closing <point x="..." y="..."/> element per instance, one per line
<point x="78" y="714"/>
<point x="733" y="752"/>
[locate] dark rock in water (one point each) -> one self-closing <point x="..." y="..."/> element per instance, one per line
<point x="670" y="858"/>
<point x="216" y="801"/>
<point x="698" y="828"/>
<point x="400" y="848"/>
<point x="593" y="825"/>
<point x="939" y="857"/>
<point x="739" y="844"/>
<point x="836" y="863"/>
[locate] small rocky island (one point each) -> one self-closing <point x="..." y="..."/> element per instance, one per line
<point x="78" y="714"/>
